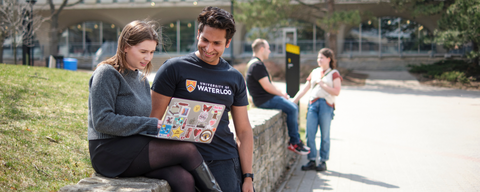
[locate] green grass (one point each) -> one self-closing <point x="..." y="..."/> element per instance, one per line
<point x="43" y="128"/>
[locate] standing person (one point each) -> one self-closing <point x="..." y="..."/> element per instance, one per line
<point x="266" y="95"/>
<point x="325" y="82"/>
<point x="119" y="104"/>
<point x="204" y="76"/>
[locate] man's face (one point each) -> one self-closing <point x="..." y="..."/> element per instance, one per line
<point x="266" y="51"/>
<point x="211" y="44"/>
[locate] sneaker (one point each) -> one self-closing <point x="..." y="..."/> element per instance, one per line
<point x="309" y="166"/>
<point x="298" y="149"/>
<point x="303" y="145"/>
<point x="322" y="166"/>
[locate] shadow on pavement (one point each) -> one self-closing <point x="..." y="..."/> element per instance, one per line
<point x="424" y="90"/>
<point x="359" y="178"/>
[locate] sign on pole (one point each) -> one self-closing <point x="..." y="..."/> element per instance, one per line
<point x="292" y="76"/>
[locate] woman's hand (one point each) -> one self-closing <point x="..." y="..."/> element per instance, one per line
<point x="159" y="125"/>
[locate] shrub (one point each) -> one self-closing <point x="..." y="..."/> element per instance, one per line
<point x="453" y="76"/>
<point x="449" y="70"/>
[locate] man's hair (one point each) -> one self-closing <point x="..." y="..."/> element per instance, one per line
<point x="257" y="44"/>
<point x="328" y="53"/>
<point x="217" y="18"/>
<point x="132" y="34"/>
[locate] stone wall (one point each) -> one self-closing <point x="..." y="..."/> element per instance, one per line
<point x="270" y="154"/>
<point x="270" y="160"/>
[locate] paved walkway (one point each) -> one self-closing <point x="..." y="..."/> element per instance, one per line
<point x="395" y="135"/>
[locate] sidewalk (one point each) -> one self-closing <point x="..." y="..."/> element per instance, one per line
<point x="394" y="134"/>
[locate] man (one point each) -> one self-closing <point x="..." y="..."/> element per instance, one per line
<point x="266" y="95"/>
<point x="205" y="76"/>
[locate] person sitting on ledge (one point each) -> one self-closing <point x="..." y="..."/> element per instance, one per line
<point x="119" y="105"/>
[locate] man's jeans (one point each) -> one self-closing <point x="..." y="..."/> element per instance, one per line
<point x="291" y="109"/>
<point x="319" y="114"/>
<point x="228" y="174"/>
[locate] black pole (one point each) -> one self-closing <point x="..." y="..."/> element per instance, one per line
<point x="232" y="57"/>
<point x="25" y="47"/>
<point x="30" y="25"/>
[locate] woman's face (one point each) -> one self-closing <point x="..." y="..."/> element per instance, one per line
<point x="139" y="55"/>
<point x="323" y="61"/>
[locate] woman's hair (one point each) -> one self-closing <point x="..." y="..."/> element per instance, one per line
<point x="329" y="54"/>
<point x="217" y="18"/>
<point x="132" y="34"/>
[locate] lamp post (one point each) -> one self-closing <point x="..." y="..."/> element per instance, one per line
<point x="30" y="47"/>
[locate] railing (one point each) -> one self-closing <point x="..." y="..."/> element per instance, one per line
<point x="402" y="48"/>
<point x="43" y="2"/>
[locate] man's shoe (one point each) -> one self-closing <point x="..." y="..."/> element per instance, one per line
<point x="303" y="145"/>
<point x="322" y="166"/>
<point x="298" y="149"/>
<point x="309" y="166"/>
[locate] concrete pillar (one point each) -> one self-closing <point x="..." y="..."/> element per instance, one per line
<point x="340" y="39"/>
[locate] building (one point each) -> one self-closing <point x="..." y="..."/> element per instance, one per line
<point x="95" y="24"/>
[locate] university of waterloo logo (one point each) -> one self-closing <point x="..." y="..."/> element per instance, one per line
<point x="191" y="85"/>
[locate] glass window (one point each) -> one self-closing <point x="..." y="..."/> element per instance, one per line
<point x="187" y="36"/>
<point x="169" y="36"/>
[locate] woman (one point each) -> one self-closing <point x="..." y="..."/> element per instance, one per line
<point x="325" y="82"/>
<point x="119" y="106"/>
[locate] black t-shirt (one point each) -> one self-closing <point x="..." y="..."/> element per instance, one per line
<point x="257" y="71"/>
<point x="220" y="83"/>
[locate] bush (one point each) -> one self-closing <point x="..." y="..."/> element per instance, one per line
<point x="454" y="76"/>
<point x="449" y="70"/>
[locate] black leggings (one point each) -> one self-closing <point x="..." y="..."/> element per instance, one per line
<point x="168" y="160"/>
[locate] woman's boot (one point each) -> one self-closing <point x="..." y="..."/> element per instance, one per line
<point x="204" y="179"/>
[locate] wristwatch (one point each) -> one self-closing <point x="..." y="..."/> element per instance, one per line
<point x="248" y="175"/>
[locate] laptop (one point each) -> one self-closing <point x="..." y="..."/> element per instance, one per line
<point x="189" y="120"/>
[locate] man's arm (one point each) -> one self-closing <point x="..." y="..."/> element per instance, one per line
<point x="244" y="133"/>
<point x="270" y="88"/>
<point x="159" y="104"/>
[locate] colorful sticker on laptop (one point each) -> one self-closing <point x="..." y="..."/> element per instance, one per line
<point x="179" y="120"/>
<point x="169" y="120"/>
<point x="207" y="108"/>
<point x="218" y="107"/>
<point x="189" y="130"/>
<point x="197" y="108"/>
<point x="184" y="111"/>
<point x="192" y="122"/>
<point x="176" y="133"/>
<point x="165" y="129"/>
<point x="184" y="124"/>
<point x="212" y="122"/>
<point x="174" y="109"/>
<point x="215" y="114"/>
<point x="197" y="132"/>
<point x="206" y="135"/>
<point x="201" y="125"/>
<point x="203" y="116"/>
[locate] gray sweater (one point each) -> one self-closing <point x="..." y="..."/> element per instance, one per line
<point x="118" y="104"/>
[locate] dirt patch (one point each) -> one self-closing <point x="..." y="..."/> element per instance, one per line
<point x="474" y="85"/>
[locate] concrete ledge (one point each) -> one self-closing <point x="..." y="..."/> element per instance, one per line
<point x="100" y="183"/>
<point x="270" y="160"/>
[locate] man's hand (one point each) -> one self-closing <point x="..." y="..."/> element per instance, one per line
<point x="247" y="185"/>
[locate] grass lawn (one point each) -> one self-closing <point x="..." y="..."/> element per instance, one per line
<point x="43" y="128"/>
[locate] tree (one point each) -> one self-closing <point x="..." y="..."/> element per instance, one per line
<point x="421" y="7"/>
<point x="15" y="18"/>
<point x="457" y="26"/>
<point x="54" y="31"/>
<point x="275" y="13"/>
